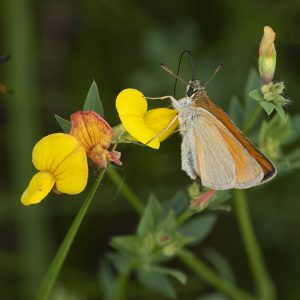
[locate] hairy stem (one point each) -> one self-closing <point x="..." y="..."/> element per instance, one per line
<point x="65" y="246"/>
<point x="261" y="278"/>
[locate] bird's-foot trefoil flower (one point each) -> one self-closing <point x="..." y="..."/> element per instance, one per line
<point x="146" y="126"/>
<point x="270" y="94"/>
<point x="62" y="166"/>
<point x="267" y="56"/>
<point x="95" y="136"/>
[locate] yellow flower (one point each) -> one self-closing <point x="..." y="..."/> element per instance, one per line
<point x="144" y="125"/>
<point x="62" y="165"/>
<point x="95" y="135"/>
<point x="267" y="55"/>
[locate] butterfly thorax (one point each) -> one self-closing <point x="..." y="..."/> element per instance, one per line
<point x="195" y="90"/>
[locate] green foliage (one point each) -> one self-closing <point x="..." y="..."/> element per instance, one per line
<point x="252" y="82"/>
<point x="220" y="264"/>
<point x="63" y="123"/>
<point x="157" y="282"/>
<point x="92" y="101"/>
<point x="198" y="228"/>
<point x="270" y="97"/>
<point x="236" y="111"/>
<point x="158" y="239"/>
<point x="213" y="296"/>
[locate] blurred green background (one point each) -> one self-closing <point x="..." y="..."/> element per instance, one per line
<point x="57" y="48"/>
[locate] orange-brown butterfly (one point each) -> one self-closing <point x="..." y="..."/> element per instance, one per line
<point x="212" y="147"/>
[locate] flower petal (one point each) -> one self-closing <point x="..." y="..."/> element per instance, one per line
<point x="39" y="187"/>
<point x="51" y="150"/>
<point x="72" y="174"/>
<point x="90" y="130"/>
<point x="62" y="155"/>
<point x="159" y="118"/>
<point x="131" y="102"/>
<point x="132" y="106"/>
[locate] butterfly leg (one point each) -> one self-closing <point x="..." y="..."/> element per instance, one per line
<point x="164" y="130"/>
<point x="174" y="101"/>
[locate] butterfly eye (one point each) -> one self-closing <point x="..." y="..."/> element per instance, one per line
<point x="190" y="91"/>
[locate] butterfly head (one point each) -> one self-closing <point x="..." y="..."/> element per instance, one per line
<point x="193" y="87"/>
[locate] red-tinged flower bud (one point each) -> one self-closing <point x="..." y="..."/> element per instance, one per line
<point x="267" y="56"/>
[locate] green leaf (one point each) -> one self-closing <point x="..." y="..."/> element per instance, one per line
<point x="121" y="261"/>
<point x="255" y="94"/>
<point x="198" y="227"/>
<point x="277" y="130"/>
<point x="92" y="101"/>
<point x="157" y="282"/>
<point x="178" y="203"/>
<point x="267" y="106"/>
<point x="63" y="123"/>
<point x="281" y="112"/>
<point x="180" y="276"/>
<point x="219" y="200"/>
<point x="220" y="264"/>
<point x="213" y="296"/>
<point x="169" y="223"/>
<point x="129" y="243"/>
<point x="150" y="217"/>
<point x="107" y="281"/>
<point x="236" y="111"/>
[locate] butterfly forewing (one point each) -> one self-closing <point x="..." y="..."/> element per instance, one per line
<point x="266" y="165"/>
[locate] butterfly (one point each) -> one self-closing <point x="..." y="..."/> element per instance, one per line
<point x="213" y="148"/>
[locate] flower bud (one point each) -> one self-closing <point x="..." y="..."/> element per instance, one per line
<point x="267" y="56"/>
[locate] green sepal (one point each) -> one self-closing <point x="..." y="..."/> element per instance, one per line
<point x="63" y="123"/>
<point x="92" y="101"/>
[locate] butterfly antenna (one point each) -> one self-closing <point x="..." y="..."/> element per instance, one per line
<point x="214" y="74"/>
<point x="179" y="64"/>
<point x="172" y="73"/>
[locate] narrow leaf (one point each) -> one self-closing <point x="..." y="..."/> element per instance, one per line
<point x="281" y="112"/>
<point x="180" y="276"/>
<point x="107" y="281"/>
<point x="213" y="296"/>
<point x="150" y="217"/>
<point x="92" y="101"/>
<point x="267" y="106"/>
<point x="198" y="228"/>
<point x="255" y="94"/>
<point x="129" y="243"/>
<point x="157" y="282"/>
<point x="178" y="203"/>
<point x="63" y="123"/>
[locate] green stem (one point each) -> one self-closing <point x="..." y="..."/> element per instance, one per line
<point x="201" y="269"/>
<point x="181" y="219"/>
<point x="122" y="284"/>
<point x="251" y="120"/>
<point x="126" y="190"/>
<point x="261" y="278"/>
<point x="206" y="273"/>
<point x="64" y="248"/>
